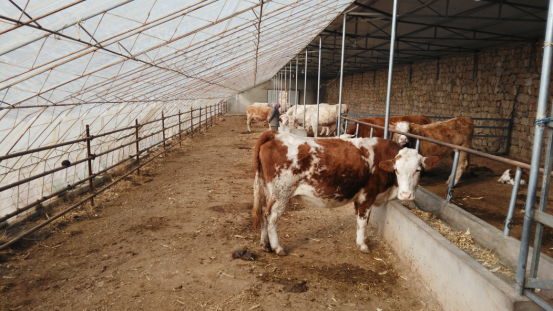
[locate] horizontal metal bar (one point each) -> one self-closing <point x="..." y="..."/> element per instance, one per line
<point x="114" y="131"/>
<point x="460" y="148"/>
<point x="543" y="218"/>
<point x="491" y="127"/>
<point x="22" y="181"/>
<point x="538" y="283"/>
<point x="482" y="135"/>
<point x="538" y="300"/>
<point x="18" y="154"/>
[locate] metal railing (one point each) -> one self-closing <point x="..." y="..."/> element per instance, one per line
<point x="508" y="127"/>
<point x="208" y="113"/>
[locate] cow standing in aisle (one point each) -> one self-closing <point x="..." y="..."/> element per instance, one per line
<point x="259" y="113"/>
<point x="330" y="172"/>
<point x="456" y="131"/>
<point x="365" y="130"/>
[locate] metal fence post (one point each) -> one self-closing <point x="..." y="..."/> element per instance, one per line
<point x="163" y="128"/>
<point x="512" y="203"/>
<point x="372" y="129"/>
<point x="180" y="135"/>
<point x="539" y="129"/>
<point x="211" y="115"/>
<point x="200" y="122"/>
<point x="137" y="146"/>
<point x="338" y="125"/>
<point x="191" y="121"/>
<point x="452" y="177"/>
<point x="316" y="127"/>
<point x="89" y="155"/>
<point x="418" y="145"/>
<point x="206" y="123"/>
<point x="390" y="70"/>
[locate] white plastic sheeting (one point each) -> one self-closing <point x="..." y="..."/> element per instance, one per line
<point x="67" y="64"/>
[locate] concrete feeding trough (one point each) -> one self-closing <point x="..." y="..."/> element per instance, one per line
<point x="455" y="279"/>
<point x="298" y="132"/>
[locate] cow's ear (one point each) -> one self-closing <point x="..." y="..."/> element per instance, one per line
<point x="430" y="162"/>
<point x="387" y="165"/>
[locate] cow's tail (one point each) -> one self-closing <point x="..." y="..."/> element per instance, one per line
<point x="259" y="181"/>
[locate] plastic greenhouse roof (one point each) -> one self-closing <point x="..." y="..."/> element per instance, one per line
<point x="65" y="64"/>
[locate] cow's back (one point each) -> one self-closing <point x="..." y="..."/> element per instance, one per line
<point x="365" y="130"/>
<point x="456" y="131"/>
<point x="258" y="112"/>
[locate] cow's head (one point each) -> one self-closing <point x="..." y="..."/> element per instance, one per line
<point x="407" y="165"/>
<point x="402" y="126"/>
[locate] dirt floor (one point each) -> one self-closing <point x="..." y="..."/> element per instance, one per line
<point x="164" y="240"/>
<point x="479" y="193"/>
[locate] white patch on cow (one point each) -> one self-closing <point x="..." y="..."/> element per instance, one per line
<point x="505" y="178"/>
<point x="361" y="225"/>
<point x="346" y="136"/>
<point x="293" y="143"/>
<point x="402" y="126"/>
<point x="408" y="166"/>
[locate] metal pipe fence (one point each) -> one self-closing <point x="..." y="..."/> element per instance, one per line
<point x="214" y="112"/>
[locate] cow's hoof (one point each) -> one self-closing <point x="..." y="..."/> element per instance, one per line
<point x="281" y="252"/>
<point x="364" y="249"/>
<point x="266" y="248"/>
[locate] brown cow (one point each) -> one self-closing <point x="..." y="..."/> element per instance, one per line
<point x="259" y="113"/>
<point x="330" y="172"/>
<point x="365" y="130"/>
<point x="456" y="131"/>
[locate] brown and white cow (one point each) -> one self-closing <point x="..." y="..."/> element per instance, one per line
<point x="330" y="172"/>
<point x="456" y="131"/>
<point x="259" y="113"/>
<point x="365" y="130"/>
<point x="508" y="177"/>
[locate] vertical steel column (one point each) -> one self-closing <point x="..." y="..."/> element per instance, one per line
<point x="357" y="130"/>
<point x="390" y="70"/>
<point x="89" y="155"/>
<point x="137" y="147"/>
<point x="211" y="114"/>
<point x="304" y="88"/>
<point x="513" y="202"/>
<point x="163" y="128"/>
<point x="452" y="177"/>
<point x="180" y="135"/>
<point x="200" y="122"/>
<point x="206" y="122"/>
<point x="536" y="153"/>
<point x="290" y="89"/>
<point x="296" y="94"/>
<point x="316" y="128"/>
<point x="284" y="87"/>
<point x="338" y="124"/>
<point x="418" y="145"/>
<point x="371" y="135"/>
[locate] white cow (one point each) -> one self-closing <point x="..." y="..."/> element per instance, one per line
<point x="328" y="115"/>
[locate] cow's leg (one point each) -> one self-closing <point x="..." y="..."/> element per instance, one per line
<point x="269" y="205"/>
<point x="249" y="122"/>
<point x="265" y="245"/>
<point x="272" y="219"/>
<point x="461" y="167"/>
<point x="363" y="212"/>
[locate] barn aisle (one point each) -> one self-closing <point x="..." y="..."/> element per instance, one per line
<point x="163" y="241"/>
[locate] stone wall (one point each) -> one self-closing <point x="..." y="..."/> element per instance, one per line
<point x="506" y="81"/>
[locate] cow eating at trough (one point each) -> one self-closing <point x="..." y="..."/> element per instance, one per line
<point x="330" y="172"/>
<point x="365" y="130"/>
<point x="456" y="131"/>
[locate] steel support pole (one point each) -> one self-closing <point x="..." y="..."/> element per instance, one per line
<point x="418" y="145"/>
<point x="89" y="155"/>
<point x="371" y="135"/>
<point x="316" y="128"/>
<point x="304" y="89"/>
<point x="290" y="88"/>
<point x="200" y="122"/>
<point x="452" y="177"/>
<point x="512" y="203"/>
<point x="390" y="70"/>
<point x="284" y="87"/>
<point x="191" y="121"/>
<point x="357" y="130"/>
<point x="536" y="154"/>
<point x="296" y="93"/>
<point x="338" y="127"/>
